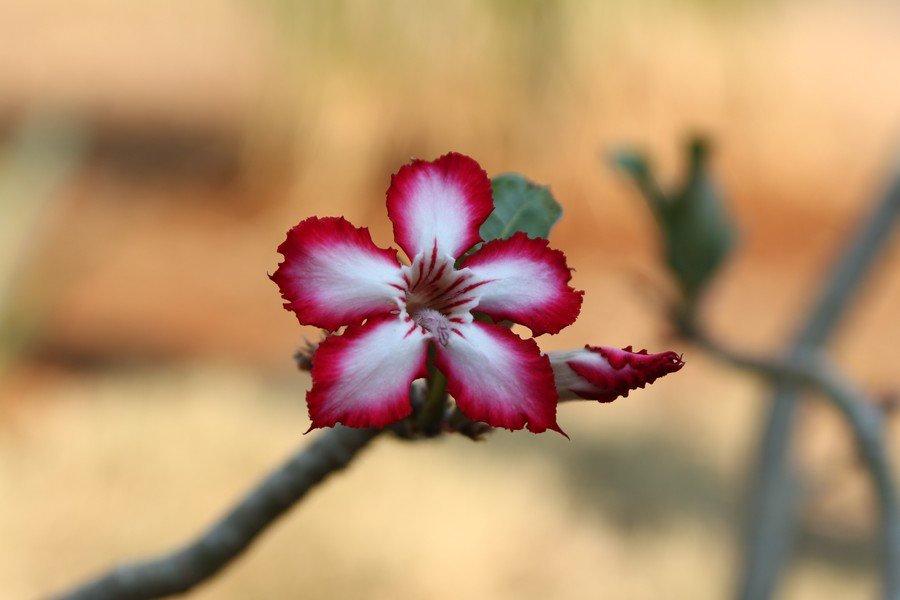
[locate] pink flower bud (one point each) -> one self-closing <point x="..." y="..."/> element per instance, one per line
<point x="604" y="373"/>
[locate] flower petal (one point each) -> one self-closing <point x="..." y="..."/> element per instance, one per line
<point x="499" y="378"/>
<point x="604" y="373"/>
<point x="443" y="202"/>
<point x="527" y="282"/>
<point x="334" y="275"/>
<point x="362" y="378"/>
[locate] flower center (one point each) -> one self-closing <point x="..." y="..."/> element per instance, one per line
<point x="437" y="297"/>
<point x="431" y="320"/>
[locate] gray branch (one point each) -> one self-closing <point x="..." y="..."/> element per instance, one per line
<point x="181" y="570"/>
<point x="773" y="506"/>
<point x="866" y="423"/>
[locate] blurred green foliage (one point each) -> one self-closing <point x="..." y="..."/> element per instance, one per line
<point x="697" y="232"/>
<point x="36" y="162"/>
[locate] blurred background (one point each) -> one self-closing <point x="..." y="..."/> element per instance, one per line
<point x="153" y="154"/>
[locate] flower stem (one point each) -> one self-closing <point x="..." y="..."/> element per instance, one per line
<point x="428" y="421"/>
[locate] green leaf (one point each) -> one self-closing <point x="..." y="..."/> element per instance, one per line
<point x="637" y="166"/>
<point x="520" y="205"/>
<point x="701" y="232"/>
<point x="697" y="231"/>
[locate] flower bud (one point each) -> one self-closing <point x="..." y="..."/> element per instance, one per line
<point x="604" y="373"/>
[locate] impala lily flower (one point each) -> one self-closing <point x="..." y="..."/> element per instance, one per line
<point x="333" y="275"/>
<point x="604" y="373"/>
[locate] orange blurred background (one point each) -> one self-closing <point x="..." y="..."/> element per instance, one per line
<point x="152" y="156"/>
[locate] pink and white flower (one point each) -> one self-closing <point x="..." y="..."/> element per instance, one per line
<point x="605" y="373"/>
<point x="333" y="275"/>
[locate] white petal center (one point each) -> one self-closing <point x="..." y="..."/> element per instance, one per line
<point x="436" y="296"/>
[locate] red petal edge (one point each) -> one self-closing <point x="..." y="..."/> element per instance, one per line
<point x="553" y="314"/>
<point x="323" y="235"/>
<point x="333" y="366"/>
<point x="455" y="168"/>
<point x="533" y="376"/>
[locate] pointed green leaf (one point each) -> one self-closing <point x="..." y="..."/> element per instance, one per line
<point x="701" y="232"/>
<point x="520" y="205"/>
<point x="636" y="166"/>
<point x="698" y="233"/>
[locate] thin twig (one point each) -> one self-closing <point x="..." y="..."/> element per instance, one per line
<point x="866" y="424"/>
<point x="772" y="508"/>
<point x="179" y="571"/>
